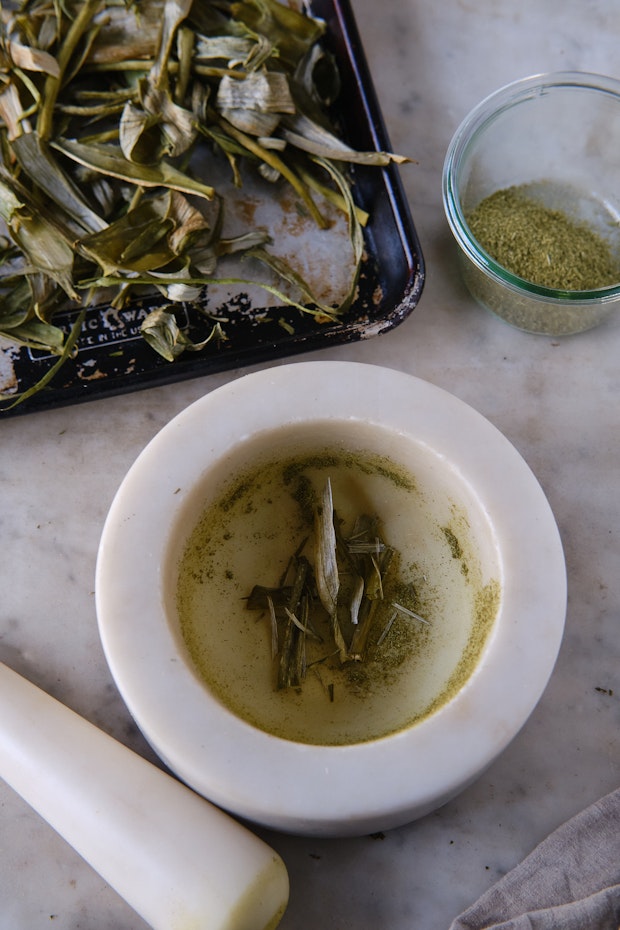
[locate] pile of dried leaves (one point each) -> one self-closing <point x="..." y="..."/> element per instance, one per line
<point x="102" y="106"/>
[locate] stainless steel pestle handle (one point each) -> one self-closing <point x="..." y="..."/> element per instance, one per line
<point x="176" y="859"/>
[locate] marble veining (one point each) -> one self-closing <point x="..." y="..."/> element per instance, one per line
<point x="555" y="399"/>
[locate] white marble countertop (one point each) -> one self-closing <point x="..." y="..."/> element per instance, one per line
<point x="555" y="399"/>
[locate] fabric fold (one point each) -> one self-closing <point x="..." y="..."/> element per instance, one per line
<point x="570" y="881"/>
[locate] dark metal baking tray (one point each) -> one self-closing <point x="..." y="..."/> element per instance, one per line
<point x="113" y="358"/>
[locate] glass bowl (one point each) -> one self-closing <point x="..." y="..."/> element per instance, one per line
<point x="554" y="137"/>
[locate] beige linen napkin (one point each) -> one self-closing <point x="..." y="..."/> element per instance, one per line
<point x="571" y="881"/>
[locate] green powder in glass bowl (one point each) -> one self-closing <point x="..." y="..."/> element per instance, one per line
<point x="541" y="244"/>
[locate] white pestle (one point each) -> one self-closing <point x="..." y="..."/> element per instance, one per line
<point x="180" y="862"/>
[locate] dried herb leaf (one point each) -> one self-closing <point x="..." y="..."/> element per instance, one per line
<point x="136" y="242"/>
<point x="256" y="104"/>
<point x="109" y="160"/>
<point x="292" y="32"/>
<point x="35" y="158"/>
<point x="40" y="242"/>
<point x="309" y="136"/>
<point x="33" y="59"/>
<point x="161" y="331"/>
<point x="157" y="128"/>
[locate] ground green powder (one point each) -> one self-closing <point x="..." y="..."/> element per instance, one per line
<point x="542" y="245"/>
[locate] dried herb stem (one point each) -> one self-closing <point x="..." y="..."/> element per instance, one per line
<point x="54" y="82"/>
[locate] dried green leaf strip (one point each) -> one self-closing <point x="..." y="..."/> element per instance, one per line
<point x="37" y="162"/>
<point x="69" y="346"/>
<point x="286" y="273"/>
<point x="326" y="566"/>
<point x="309" y="136"/>
<point x="109" y="160"/>
<point x="40" y="242"/>
<point x="15" y="303"/>
<point x="356" y="236"/>
<point x="36" y="334"/>
<point x="168" y="280"/>
<point x="33" y="59"/>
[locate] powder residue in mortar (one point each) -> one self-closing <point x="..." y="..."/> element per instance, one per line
<point x="246" y="536"/>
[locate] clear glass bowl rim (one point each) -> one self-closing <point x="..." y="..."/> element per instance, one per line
<point x="482" y="114"/>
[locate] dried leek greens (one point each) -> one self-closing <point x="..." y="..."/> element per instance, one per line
<point x="102" y="106"/>
<point x="339" y="588"/>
